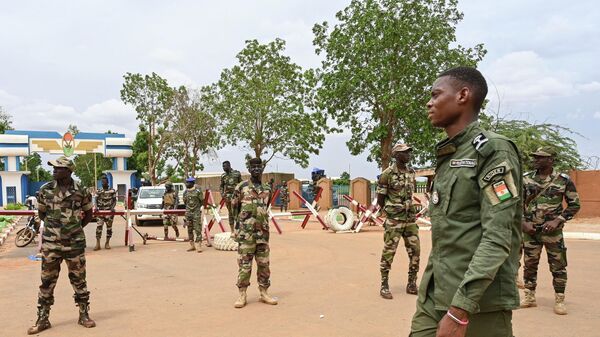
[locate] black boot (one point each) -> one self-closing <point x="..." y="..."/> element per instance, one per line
<point x="176" y="231"/>
<point x="42" y="322"/>
<point x="385" y="290"/>
<point x="411" y="287"/>
<point x="84" y="317"/>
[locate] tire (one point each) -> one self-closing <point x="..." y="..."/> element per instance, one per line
<point x="24" y="237"/>
<point x="347" y="215"/>
<point x="138" y="222"/>
<point x="223" y="241"/>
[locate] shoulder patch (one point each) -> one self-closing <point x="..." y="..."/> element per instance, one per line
<point x="494" y="172"/>
<point x="479" y="141"/>
<point x="465" y="162"/>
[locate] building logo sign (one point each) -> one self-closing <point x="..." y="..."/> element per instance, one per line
<point x="68" y="144"/>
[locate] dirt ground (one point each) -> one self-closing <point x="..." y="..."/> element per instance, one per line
<point x="327" y="285"/>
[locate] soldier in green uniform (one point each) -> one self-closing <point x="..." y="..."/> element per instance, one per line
<point x="170" y="200"/>
<point x="284" y="196"/>
<point x="61" y="203"/>
<point x="251" y="198"/>
<point x="194" y="200"/>
<point x="468" y="287"/>
<point x="106" y="200"/>
<point x="229" y="181"/>
<point x="544" y="218"/>
<point x="394" y="195"/>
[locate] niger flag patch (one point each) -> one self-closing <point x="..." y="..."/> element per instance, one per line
<point x="501" y="190"/>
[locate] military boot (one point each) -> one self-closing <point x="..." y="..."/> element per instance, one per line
<point x="241" y="301"/>
<point x="529" y="299"/>
<point x="84" y="317"/>
<point x="166" y="233"/>
<point x="411" y="287"/>
<point x="176" y="231"/>
<point x="42" y="322"/>
<point x="385" y="290"/>
<point x="192" y="246"/>
<point x="266" y="298"/>
<point x="559" y="304"/>
<point x="97" y="244"/>
<point x="107" y="244"/>
<point x="199" y="248"/>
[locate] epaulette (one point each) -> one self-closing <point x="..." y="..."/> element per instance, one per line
<point x="527" y="173"/>
<point x="566" y="176"/>
<point x="481" y="142"/>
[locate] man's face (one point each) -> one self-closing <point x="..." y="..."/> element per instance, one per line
<point x="226" y="167"/>
<point x="443" y="108"/>
<point x="60" y="173"/>
<point x="169" y="188"/>
<point x="542" y="162"/>
<point x="256" y="170"/>
<point x="189" y="184"/>
<point x="402" y="156"/>
<point x="104" y="183"/>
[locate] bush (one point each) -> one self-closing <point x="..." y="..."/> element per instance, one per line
<point x="14" y="207"/>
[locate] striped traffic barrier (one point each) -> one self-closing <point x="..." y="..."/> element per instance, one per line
<point x="312" y="210"/>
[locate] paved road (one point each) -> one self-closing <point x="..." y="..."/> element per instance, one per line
<point x="161" y="290"/>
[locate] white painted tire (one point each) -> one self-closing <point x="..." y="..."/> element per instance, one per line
<point x="223" y="241"/>
<point x="332" y="216"/>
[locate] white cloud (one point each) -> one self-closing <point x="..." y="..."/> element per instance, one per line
<point x="597" y="114"/>
<point x="177" y="78"/>
<point x="589" y="87"/>
<point x="7" y="100"/>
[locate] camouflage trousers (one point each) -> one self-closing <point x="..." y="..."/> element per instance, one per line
<point x="391" y="238"/>
<point x="194" y="225"/>
<point x="230" y="215"/>
<point x="248" y="251"/>
<point x="557" y="258"/>
<point x="51" y="261"/>
<point x="108" y="220"/>
<point x="169" y="220"/>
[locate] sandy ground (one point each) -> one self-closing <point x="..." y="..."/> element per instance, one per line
<point x="161" y="290"/>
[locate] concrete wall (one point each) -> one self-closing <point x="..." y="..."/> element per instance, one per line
<point x="360" y="190"/>
<point x="588" y="187"/>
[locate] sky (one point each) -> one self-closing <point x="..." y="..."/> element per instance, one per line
<point x="62" y="62"/>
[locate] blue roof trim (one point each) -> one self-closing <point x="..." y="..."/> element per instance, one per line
<point x="26" y="145"/>
<point x="56" y="135"/>
<point x="118" y="147"/>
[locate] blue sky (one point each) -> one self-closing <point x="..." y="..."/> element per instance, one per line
<point x="63" y="62"/>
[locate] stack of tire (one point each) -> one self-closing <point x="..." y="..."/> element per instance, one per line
<point x="347" y="219"/>
<point x="224" y="241"/>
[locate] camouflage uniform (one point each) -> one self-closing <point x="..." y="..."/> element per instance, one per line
<point x="63" y="239"/>
<point x="252" y="232"/>
<point x="543" y="208"/>
<point x="398" y="187"/>
<point x="284" y="196"/>
<point x="194" y="200"/>
<point x="228" y="183"/>
<point x="170" y="201"/>
<point x="105" y="201"/>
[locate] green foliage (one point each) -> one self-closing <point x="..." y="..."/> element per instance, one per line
<point x="343" y="180"/>
<point x="262" y="102"/>
<point x="33" y="164"/>
<point x="14" y="207"/>
<point x="5" y="124"/>
<point x="84" y="168"/>
<point x="529" y="136"/>
<point x="380" y="62"/>
<point x="152" y="98"/>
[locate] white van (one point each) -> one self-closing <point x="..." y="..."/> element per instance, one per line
<point x="149" y="197"/>
<point x="180" y="188"/>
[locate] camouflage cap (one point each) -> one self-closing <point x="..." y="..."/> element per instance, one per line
<point x="168" y="183"/>
<point x="400" y="147"/>
<point x="62" y="161"/>
<point x="544" y="151"/>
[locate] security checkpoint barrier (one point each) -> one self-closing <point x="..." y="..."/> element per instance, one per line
<point x="312" y="210"/>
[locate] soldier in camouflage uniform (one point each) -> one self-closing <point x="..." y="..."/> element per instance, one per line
<point x="284" y="196"/>
<point x="544" y="218"/>
<point x="61" y="203"/>
<point x="251" y="198"/>
<point x="106" y="199"/>
<point x="229" y="181"/>
<point x="170" y="200"/>
<point x="394" y="195"/>
<point x="194" y="200"/>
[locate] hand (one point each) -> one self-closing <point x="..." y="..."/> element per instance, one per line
<point x="528" y="227"/>
<point x="447" y="327"/>
<point x="552" y="225"/>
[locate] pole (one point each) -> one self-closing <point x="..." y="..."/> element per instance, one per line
<point x="95" y="175"/>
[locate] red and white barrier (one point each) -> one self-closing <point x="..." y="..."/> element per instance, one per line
<point x="312" y="210"/>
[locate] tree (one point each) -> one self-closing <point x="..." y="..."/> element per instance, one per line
<point x="262" y="102"/>
<point x="343" y="180"/>
<point x="33" y="164"/>
<point x="380" y="61"/>
<point x="152" y="99"/>
<point x="84" y="168"/>
<point x="5" y="124"/>
<point x="194" y="132"/>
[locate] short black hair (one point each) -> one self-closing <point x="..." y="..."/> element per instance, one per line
<point x="255" y="161"/>
<point x="472" y="78"/>
<point x="103" y="176"/>
<point x="227" y="162"/>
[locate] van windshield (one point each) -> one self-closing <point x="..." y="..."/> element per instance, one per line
<point x="151" y="193"/>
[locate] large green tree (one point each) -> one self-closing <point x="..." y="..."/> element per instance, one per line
<point x="5" y="124"/>
<point x="381" y="58"/>
<point x="33" y="164"/>
<point x="152" y="98"/>
<point x="262" y="102"/>
<point x="87" y="172"/>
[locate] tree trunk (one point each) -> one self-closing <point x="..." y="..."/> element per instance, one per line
<point x="386" y="149"/>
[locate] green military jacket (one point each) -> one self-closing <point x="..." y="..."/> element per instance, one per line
<point x="253" y="219"/>
<point x="228" y="183"/>
<point x="194" y="200"/>
<point x="476" y="211"/>
<point x="63" y="214"/>
<point x="398" y="188"/>
<point x="106" y="199"/>
<point x="171" y="199"/>
<point x="544" y="197"/>
<point x="284" y="194"/>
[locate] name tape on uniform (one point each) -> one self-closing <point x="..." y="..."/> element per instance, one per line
<point x="466" y="162"/>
